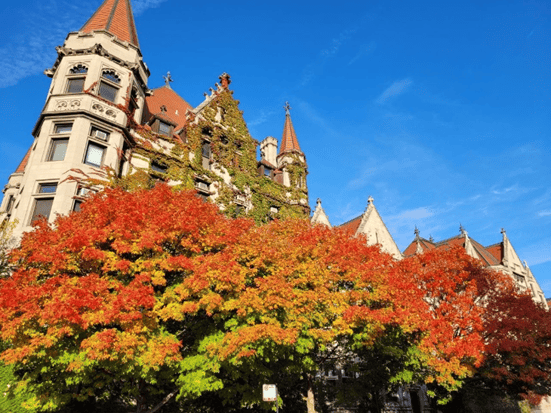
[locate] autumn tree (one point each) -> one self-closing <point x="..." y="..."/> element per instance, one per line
<point x="7" y="242"/>
<point x="517" y="355"/>
<point x="83" y="316"/>
<point x="142" y="298"/>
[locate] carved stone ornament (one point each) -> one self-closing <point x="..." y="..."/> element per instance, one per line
<point x="98" y="108"/>
<point x="72" y="104"/>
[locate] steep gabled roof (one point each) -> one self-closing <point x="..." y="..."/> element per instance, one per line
<point x="116" y="17"/>
<point x="23" y="164"/>
<point x="176" y="106"/>
<point x="487" y="256"/>
<point x="289" y="141"/>
<point x="352" y="225"/>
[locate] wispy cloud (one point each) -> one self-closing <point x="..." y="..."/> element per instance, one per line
<point x="397" y="88"/>
<point x="511" y="190"/>
<point x="263" y="117"/>
<point x="326" y="54"/>
<point x="139" y="6"/>
<point x="28" y="52"/>
<point x="546" y="213"/>
<point x="364" y="51"/>
<point x="537" y="253"/>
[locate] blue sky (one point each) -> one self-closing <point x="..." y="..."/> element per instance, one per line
<point x="441" y="112"/>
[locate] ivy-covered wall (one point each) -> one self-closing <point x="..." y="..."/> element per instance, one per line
<point x="232" y="170"/>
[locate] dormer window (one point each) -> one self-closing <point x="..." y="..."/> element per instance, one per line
<point x="75" y="82"/>
<point x="164" y="128"/>
<point x="108" y="85"/>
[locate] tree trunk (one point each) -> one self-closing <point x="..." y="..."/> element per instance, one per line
<point x="310" y="399"/>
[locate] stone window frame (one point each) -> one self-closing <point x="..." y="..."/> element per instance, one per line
<point x="58" y="137"/>
<point x="75" y="74"/>
<point x="43" y="195"/>
<point x="81" y="194"/>
<point x="90" y="144"/>
<point x="109" y="83"/>
<point x="95" y="133"/>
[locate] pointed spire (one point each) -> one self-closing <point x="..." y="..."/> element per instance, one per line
<point x="416" y="232"/>
<point x="116" y="17"/>
<point x="289" y="140"/>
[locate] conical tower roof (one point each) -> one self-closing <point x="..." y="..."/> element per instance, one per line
<point x="116" y="17"/>
<point x="289" y="141"/>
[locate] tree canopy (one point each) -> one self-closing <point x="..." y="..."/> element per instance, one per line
<point x="153" y="298"/>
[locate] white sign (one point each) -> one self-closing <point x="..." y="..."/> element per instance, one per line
<point x="269" y="392"/>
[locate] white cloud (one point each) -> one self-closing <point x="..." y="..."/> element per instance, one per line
<point x="29" y="51"/>
<point x="397" y="88"/>
<point x="364" y="51"/>
<point x="537" y="253"/>
<point x="139" y="6"/>
<point x="546" y="213"/>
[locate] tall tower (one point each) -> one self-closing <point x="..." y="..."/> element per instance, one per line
<point x="291" y="159"/>
<point x="99" y="81"/>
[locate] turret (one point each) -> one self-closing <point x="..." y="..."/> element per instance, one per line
<point x="99" y="82"/>
<point x="291" y="159"/>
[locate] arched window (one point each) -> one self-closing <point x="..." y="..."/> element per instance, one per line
<point x="111" y="75"/>
<point x="79" y="69"/>
<point x="75" y="81"/>
<point x="107" y="87"/>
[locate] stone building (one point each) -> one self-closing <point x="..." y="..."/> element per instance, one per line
<point x="100" y="118"/>
<point x="501" y="257"/>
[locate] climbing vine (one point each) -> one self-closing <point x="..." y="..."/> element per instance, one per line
<point x="216" y="148"/>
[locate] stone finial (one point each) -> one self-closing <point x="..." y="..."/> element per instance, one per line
<point x="370" y="200"/>
<point x="431" y="239"/>
<point x="168" y="79"/>
<point x="503" y="232"/>
<point x="462" y="230"/>
<point x="224" y="80"/>
<point x="287" y="108"/>
<point x="318" y="202"/>
<point x="416" y="232"/>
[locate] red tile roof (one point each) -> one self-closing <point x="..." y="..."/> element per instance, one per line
<point x="425" y="245"/>
<point x="497" y="251"/>
<point x="116" y="17"/>
<point x="23" y="164"/>
<point x="490" y="255"/>
<point x="289" y="140"/>
<point x="176" y="107"/>
<point x="352" y="225"/>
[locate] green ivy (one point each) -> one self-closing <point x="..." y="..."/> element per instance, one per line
<point x="234" y="150"/>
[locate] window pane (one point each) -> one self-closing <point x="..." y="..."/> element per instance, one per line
<point x="79" y="69"/>
<point x="49" y="188"/>
<point x="99" y="134"/>
<point x="112" y="76"/>
<point x="76" y="206"/>
<point x="42" y="208"/>
<point x="59" y="149"/>
<point x="75" y="85"/>
<point x="206" y="150"/>
<point x="107" y="91"/>
<point x="94" y="154"/>
<point x="164" y="128"/>
<point x="65" y="128"/>
<point x="158" y="167"/>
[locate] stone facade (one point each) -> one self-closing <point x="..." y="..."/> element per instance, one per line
<point x="100" y="118"/>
